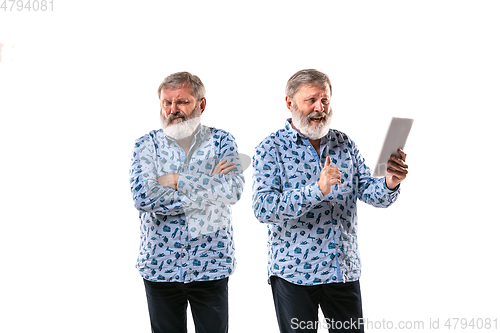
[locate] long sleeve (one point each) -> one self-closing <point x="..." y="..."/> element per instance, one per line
<point x="183" y="240"/>
<point x="148" y="194"/>
<point x="372" y="190"/>
<point x="272" y="203"/>
<point x="312" y="239"/>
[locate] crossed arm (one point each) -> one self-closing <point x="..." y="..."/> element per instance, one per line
<point x="171" y="179"/>
<point x="171" y="194"/>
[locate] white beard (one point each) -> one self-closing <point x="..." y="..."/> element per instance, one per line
<point x="311" y="131"/>
<point x="180" y="129"/>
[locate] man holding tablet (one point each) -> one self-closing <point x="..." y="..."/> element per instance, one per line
<point x="306" y="183"/>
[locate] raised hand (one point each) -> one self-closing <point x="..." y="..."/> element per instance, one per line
<point x="330" y="175"/>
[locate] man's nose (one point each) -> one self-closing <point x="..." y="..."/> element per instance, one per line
<point x="318" y="106"/>
<point x="174" y="108"/>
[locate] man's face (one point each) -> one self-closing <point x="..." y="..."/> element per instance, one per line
<point x="311" y="114"/>
<point x="180" y="112"/>
<point x="178" y="104"/>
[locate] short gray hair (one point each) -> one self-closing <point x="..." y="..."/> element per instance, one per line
<point x="308" y="77"/>
<point x="177" y="80"/>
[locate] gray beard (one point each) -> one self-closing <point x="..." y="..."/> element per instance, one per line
<point x="313" y="132"/>
<point x="181" y="128"/>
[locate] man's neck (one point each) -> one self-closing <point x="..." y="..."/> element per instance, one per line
<point x="185" y="143"/>
<point x="315" y="143"/>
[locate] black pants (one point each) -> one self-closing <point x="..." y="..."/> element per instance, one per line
<point x="297" y="306"/>
<point x="167" y="303"/>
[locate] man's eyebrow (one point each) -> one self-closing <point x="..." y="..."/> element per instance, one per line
<point x="312" y="95"/>
<point x="317" y="95"/>
<point x="178" y="100"/>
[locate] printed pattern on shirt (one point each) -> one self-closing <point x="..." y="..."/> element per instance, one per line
<point x="312" y="239"/>
<point x="186" y="234"/>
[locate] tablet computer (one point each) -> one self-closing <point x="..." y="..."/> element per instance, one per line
<point x="395" y="138"/>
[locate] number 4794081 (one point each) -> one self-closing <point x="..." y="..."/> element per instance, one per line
<point x="474" y="323"/>
<point x="27" y="5"/>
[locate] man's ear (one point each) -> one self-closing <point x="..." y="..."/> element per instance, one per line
<point x="288" y="101"/>
<point x="203" y="104"/>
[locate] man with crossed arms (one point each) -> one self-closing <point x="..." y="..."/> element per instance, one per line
<point x="306" y="183"/>
<point x="184" y="179"/>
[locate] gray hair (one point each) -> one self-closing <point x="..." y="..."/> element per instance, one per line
<point x="177" y="80"/>
<point x="308" y="77"/>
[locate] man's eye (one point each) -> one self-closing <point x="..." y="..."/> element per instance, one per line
<point x="326" y="101"/>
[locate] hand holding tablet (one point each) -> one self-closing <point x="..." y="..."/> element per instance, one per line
<point x="391" y="162"/>
<point x="397" y="170"/>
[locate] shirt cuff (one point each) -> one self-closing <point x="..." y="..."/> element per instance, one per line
<point x="316" y="192"/>
<point x="393" y="194"/>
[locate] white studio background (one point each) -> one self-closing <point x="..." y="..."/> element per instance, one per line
<point x="78" y="86"/>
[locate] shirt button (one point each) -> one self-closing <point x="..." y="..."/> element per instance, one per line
<point x="308" y="146"/>
<point x="336" y="228"/>
<point x="183" y="250"/>
<point x="183" y="228"/>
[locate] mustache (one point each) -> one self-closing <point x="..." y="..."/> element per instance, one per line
<point x="317" y="114"/>
<point x="179" y="114"/>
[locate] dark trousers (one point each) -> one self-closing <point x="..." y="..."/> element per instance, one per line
<point x="167" y="303"/>
<point x="297" y="306"/>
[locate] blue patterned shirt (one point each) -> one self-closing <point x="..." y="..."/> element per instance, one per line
<point x="186" y="234"/>
<point x="312" y="239"/>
